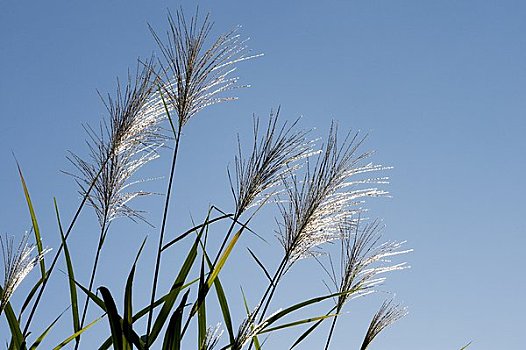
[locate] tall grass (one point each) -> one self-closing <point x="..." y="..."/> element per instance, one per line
<point x="318" y="191"/>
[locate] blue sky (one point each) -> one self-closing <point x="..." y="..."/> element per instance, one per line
<point x="438" y="85"/>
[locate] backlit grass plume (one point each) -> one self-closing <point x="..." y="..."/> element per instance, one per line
<point x="274" y="156"/>
<point x="365" y="259"/>
<point x="316" y="204"/>
<point x="363" y="262"/>
<point x="18" y="263"/>
<point x="388" y="314"/>
<point x="319" y="202"/>
<point x="195" y="75"/>
<point x="122" y="146"/>
<point x="320" y="195"/>
<point x="126" y="143"/>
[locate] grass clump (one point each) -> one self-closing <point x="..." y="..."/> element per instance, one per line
<point x="318" y="193"/>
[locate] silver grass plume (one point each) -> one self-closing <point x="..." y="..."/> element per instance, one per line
<point x="386" y="316"/>
<point x="122" y="146"/>
<point x="17" y="264"/>
<point x="212" y="336"/>
<point x="274" y="156"/>
<point x="193" y="76"/>
<point x="332" y="191"/>
<point x="364" y="259"/>
<point x="248" y="329"/>
<point x="245" y="332"/>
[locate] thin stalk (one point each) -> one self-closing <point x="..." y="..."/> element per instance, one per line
<point x="102" y="237"/>
<point x="55" y="259"/>
<point x="331" y="331"/>
<point x="269" y="292"/>
<point x="229" y="232"/>
<point x="270" y="289"/>
<point x="235" y="220"/>
<point x="161" y="235"/>
<point x="187" y="232"/>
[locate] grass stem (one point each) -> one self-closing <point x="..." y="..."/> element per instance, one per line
<point x="161" y="235"/>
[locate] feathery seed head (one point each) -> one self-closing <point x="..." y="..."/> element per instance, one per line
<point x="212" y="336"/>
<point x="363" y="260"/>
<point x="326" y="196"/>
<point x="193" y="75"/>
<point x="245" y="332"/>
<point x="386" y="316"/>
<point x="275" y="154"/>
<point x="17" y="264"/>
<point x="128" y="141"/>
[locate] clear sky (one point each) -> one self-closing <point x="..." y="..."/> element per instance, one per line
<point x="438" y="85"/>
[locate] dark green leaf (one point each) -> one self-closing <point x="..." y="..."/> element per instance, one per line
<point x="34" y="221"/>
<point x="128" y="300"/>
<point x="113" y="318"/>
<point x="172" y="338"/>
<point x="16" y="334"/>
<point x="174" y="292"/>
<point x="71" y="276"/>
<point x="255" y="338"/>
<point x="223" y="303"/>
<point x="75" y="335"/>
<point x="44" y="334"/>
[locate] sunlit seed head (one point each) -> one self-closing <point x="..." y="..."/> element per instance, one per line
<point x="194" y="75"/>
<point x="124" y="144"/>
<point x="17" y="264"/>
<point x="328" y="194"/>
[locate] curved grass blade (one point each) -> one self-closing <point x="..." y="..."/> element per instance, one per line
<point x="193" y="229"/>
<point x="260" y="264"/>
<point x="75" y="335"/>
<point x="128" y="300"/>
<point x="92" y="296"/>
<point x="255" y="338"/>
<point x="16" y="334"/>
<point x="297" y="323"/>
<point x="172" y="338"/>
<point x="71" y="276"/>
<point x="127" y="317"/>
<point x="44" y="334"/>
<point x="309" y="331"/>
<point x="176" y="287"/>
<point x="298" y="306"/>
<point x="221" y="262"/>
<point x="144" y="311"/>
<point x="221" y="297"/>
<point x="113" y="318"/>
<point x="34" y="221"/>
<point x="201" y="311"/>
<point x="174" y="292"/>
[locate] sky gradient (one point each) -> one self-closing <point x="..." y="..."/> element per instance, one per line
<point x="439" y="86"/>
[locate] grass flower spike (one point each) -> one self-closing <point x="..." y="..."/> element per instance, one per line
<point x="123" y="146"/>
<point x="17" y="264"/>
<point x="364" y="259"/>
<point x="274" y="156"/>
<point x="325" y="197"/>
<point x="195" y="77"/>
<point x="319" y="192"/>
<point x="386" y="316"/>
<point x="126" y="143"/>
